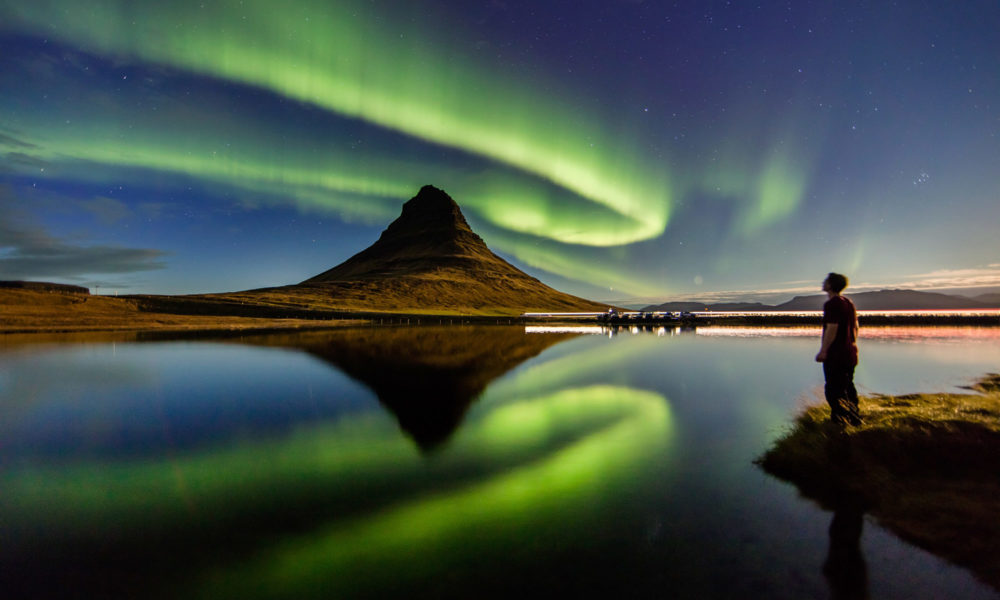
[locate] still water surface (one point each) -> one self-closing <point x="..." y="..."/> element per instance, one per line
<point x="440" y="462"/>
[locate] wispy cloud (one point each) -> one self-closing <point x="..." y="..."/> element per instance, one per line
<point x="28" y="251"/>
<point x="21" y="162"/>
<point x="107" y="210"/>
<point x="11" y="141"/>
<point x="987" y="276"/>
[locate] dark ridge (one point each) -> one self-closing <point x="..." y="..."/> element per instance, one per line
<point x="45" y="286"/>
<point x="889" y="300"/>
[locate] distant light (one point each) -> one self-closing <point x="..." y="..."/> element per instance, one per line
<point x="587" y="329"/>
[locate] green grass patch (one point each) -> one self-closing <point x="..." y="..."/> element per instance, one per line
<point x="926" y="466"/>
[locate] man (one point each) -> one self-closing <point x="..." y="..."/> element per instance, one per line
<point x="839" y="351"/>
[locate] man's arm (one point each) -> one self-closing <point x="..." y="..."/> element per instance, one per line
<point x="829" y="334"/>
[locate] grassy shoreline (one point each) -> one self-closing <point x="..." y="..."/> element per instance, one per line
<point x="26" y="312"/>
<point x="925" y="466"/>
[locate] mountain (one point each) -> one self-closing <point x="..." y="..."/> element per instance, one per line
<point x="426" y="261"/>
<point x="430" y="235"/>
<point x="990" y="299"/>
<point x="880" y="300"/>
<point x="889" y="300"/>
<point x="696" y="306"/>
<point x="676" y="307"/>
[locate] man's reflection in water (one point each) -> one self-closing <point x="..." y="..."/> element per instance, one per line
<point x="845" y="568"/>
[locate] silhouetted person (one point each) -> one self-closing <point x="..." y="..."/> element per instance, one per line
<point x="845" y="568"/>
<point x="839" y="351"/>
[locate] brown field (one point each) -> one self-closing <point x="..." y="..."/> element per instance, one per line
<point x="30" y="311"/>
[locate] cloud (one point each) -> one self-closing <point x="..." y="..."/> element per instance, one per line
<point x="61" y="260"/>
<point x="107" y="210"/>
<point x="987" y="276"/>
<point x="7" y="140"/>
<point x="23" y="162"/>
<point x="18" y="154"/>
<point x="28" y="251"/>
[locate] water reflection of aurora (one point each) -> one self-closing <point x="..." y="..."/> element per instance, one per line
<point x="556" y="490"/>
<point x="523" y="464"/>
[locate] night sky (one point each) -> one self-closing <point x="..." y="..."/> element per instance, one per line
<point x="614" y="149"/>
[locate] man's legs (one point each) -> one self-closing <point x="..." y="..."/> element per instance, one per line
<point x="851" y="395"/>
<point x="840" y="393"/>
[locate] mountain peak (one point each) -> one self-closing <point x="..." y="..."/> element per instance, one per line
<point x="429" y="233"/>
<point x="431" y="201"/>
<point x="431" y="211"/>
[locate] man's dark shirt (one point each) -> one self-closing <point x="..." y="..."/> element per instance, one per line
<point x="844" y="349"/>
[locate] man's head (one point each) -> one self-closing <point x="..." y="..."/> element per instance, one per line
<point x="835" y="283"/>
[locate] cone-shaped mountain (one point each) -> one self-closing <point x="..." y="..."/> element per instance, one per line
<point x="429" y="260"/>
<point x="431" y="234"/>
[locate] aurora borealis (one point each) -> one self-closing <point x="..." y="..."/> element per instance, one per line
<point x="614" y="149"/>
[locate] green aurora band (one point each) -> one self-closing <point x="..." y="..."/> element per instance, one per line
<point x="559" y="190"/>
<point x="340" y="60"/>
<point x="580" y="263"/>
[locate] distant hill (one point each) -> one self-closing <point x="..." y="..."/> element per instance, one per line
<point x="426" y="261"/>
<point x="739" y="306"/>
<point x="696" y="306"/>
<point x="889" y="300"/>
<point x="45" y="286"/>
<point x="991" y="299"/>
<point x="676" y="307"/>
<point x="880" y="300"/>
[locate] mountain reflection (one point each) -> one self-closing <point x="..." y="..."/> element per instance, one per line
<point x="427" y="376"/>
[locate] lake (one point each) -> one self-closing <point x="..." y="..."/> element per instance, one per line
<point x="440" y="462"/>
